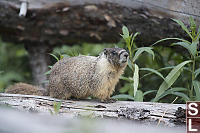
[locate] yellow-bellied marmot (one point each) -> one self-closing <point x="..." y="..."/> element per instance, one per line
<point x="84" y="76"/>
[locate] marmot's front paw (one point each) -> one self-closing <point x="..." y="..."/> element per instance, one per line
<point x="109" y="100"/>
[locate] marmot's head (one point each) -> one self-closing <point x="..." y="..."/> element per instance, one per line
<point x="116" y="56"/>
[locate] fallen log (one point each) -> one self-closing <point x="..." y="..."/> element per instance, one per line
<point x="142" y="112"/>
<point x="73" y="21"/>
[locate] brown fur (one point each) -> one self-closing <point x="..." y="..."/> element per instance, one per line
<point x="23" y="88"/>
<point x="85" y="76"/>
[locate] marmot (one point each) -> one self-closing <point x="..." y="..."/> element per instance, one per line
<point x="84" y="76"/>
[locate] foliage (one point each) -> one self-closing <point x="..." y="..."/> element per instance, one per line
<point x="82" y="49"/>
<point x="57" y="59"/>
<point x="56" y="108"/>
<point x="192" y="48"/>
<point x="177" y="74"/>
<point x="14" y="66"/>
<point x="134" y="54"/>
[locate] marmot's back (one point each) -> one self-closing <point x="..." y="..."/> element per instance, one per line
<point x="70" y="77"/>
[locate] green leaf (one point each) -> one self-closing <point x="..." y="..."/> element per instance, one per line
<point x="183" y="95"/>
<point x="126" y="79"/>
<point x="131" y="91"/>
<point x="1" y="72"/>
<point x="54" y="56"/>
<point x="165" y="39"/>
<point x="166" y="68"/>
<point x="179" y="89"/>
<point x="192" y="49"/>
<point x="133" y="38"/>
<point x="170" y="79"/>
<point x="162" y="95"/>
<point x="11" y="76"/>
<point x="123" y="97"/>
<point x="192" y="26"/>
<point x="125" y="32"/>
<point x="136" y="79"/>
<point x="197" y="72"/>
<point x="161" y="69"/>
<point x="196" y="85"/>
<point x="173" y="91"/>
<point x="130" y="64"/>
<point x="126" y="37"/>
<point x="139" y="96"/>
<point x="50" y="67"/>
<point x="153" y="71"/>
<point x="183" y="27"/>
<point x="198" y="34"/>
<point x="47" y="73"/>
<point x="66" y="56"/>
<point x="56" y="106"/>
<point x="148" y="92"/>
<point x="61" y="56"/>
<point x="126" y="88"/>
<point x="141" y="50"/>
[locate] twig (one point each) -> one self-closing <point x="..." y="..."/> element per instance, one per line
<point x="165" y="112"/>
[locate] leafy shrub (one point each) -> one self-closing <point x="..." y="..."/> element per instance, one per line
<point x="134" y="54"/>
<point x="193" y="93"/>
<point x="187" y="63"/>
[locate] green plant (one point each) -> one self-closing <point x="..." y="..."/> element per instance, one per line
<point x="193" y="92"/>
<point x="57" y="59"/>
<point x="56" y="108"/>
<point x="14" y="64"/>
<point x="134" y="54"/>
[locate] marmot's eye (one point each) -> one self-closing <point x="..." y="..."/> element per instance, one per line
<point x="114" y="53"/>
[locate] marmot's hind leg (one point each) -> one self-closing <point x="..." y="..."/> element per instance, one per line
<point x="57" y="90"/>
<point x="59" y="93"/>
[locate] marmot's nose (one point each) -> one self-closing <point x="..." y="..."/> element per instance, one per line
<point x="126" y="54"/>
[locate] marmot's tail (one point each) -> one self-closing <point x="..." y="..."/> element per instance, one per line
<point x="26" y="89"/>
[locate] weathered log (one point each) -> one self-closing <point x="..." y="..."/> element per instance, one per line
<point x="73" y="21"/>
<point x="142" y="112"/>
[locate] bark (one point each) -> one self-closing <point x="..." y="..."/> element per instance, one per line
<point x="142" y="112"/>
<point x="73" y="21"/>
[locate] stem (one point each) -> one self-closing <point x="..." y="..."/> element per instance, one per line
<point x="193" y="77"/>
